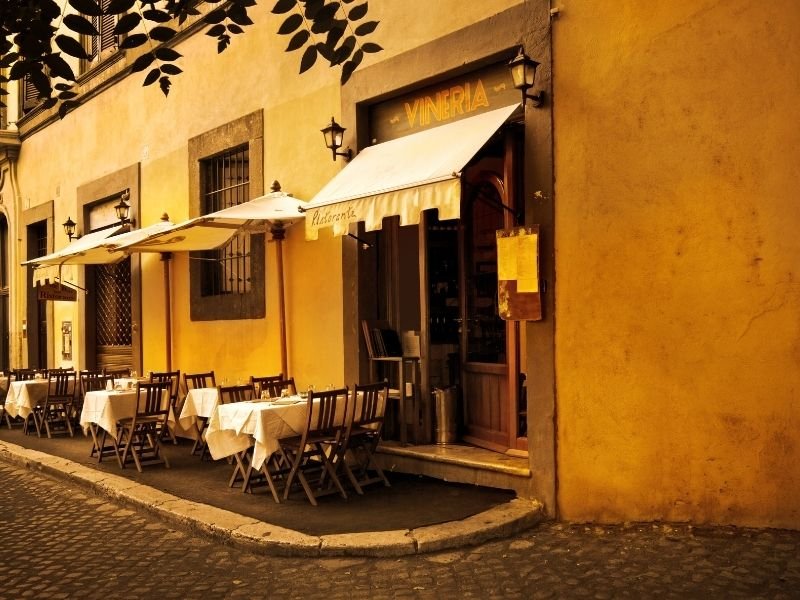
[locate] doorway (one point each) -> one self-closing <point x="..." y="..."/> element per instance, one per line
<point x="36" y="309"/>
<point x="112" y="318"/>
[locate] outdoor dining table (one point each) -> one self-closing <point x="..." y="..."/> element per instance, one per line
<point x="104" y="408"/>
<point x="234" y="427"/>
<point x="23" y="396"/>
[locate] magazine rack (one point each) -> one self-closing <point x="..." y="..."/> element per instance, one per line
<point x="385" y="348"/>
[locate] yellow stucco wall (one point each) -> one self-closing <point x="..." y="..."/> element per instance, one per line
<point x="678" y="297"/>
<point x="128" y="124"/>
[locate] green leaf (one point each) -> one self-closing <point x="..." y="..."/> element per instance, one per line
<point x="162" y="34"/>
<point x="67" y="95"/>
<point x="164" y="83"/>
<point x="171" y="69"/>
<point x="335" y="34"/>
<point x="223" y="42"/>
<point x="8" y="59"/>
<point x="156" y="16"/>
<point x="127" y="23"/>
<point x="65" y="106"/>
<point x="87" y="7"/>
<point x="71" y="46"/>
<point x="41" y="82"/>
<point x="238" y="14"/>
<point x="80" y="24"/>
<point x="133" y="41"/>
<point x="309" y="58"/>
<point x="117" y="7"/>
<point x="325" y="51"/>
<point x="49" y="103"/>
<point x="216" y="30"/>
<point x="144" y="61"/>
<point x="283" y="6"/>
<point x="350" y="66"/>
<point x="357" y="12"/>
<point x="327" y="12"/>
<point x="298" y="40"/>
<point x="167" y="54"/>
<point x="313" y="7"/>
<point x="62" y="87"/>
<point x="215" y="16"/>
<point x="235" y="29"/>
<point x="291" y="23"/>
<point x="19" y="69"/>
<point x="366" y="28"/>
<point x="344" y="51"/>
<point x="152" y="76"/>
<point x="59" y="67"/>
<point x="371" y="48"/>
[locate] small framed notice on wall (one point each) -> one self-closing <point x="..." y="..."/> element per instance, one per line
<point x="518" y="291"/>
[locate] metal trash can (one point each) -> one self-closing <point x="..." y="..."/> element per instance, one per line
<point x="445" y="404"/>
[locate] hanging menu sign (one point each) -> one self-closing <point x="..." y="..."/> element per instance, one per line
<point x="463" y="96"/>
<point x="56" y="291"/>
<point x="519" y="297"/>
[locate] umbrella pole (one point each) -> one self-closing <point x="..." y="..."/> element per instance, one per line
<point x="278" y="234"/>
<point x="166" y="258"/>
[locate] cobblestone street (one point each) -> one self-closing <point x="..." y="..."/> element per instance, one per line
<point x="63" y="542"/>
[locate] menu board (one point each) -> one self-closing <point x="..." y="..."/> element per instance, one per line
<point x="519" y="297"/>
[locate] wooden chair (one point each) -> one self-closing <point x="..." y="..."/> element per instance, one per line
<point x="140" y="435"/>
<point x="193" y="381"/>
<point x="3" y="394"/>
<point x="93" y="381"/>
<point x="385" y="353"/>
<point x="23" y="375"/>
<point x="312" y="456"/>
<point x="363" y="434"/>
<point x="227" y="395"/>
<point x="173" y="378"/>
<point x="57" y="410"/>
<point x="119" y="372"/>
<point x="262" y="383"/>
<point x="275" y="388"/>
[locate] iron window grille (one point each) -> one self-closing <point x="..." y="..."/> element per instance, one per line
<point x="225" y="181"/>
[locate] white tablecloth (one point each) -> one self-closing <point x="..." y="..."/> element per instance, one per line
<point x="104" y="408"/>
<point x="237" y="426"/>
<point x="199" y="402"/>
<point x="23" y="396"/>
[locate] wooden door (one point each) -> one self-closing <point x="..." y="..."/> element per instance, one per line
<point x="112" y="309"/>
<point x="485" y="337"/>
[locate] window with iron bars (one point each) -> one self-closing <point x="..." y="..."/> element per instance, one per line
<point x="225" y="182"/>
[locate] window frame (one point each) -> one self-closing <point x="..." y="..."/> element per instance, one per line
<point x="247" y="130"/>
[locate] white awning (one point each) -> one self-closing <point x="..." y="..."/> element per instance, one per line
<point x="80" y="252"/>
<point x="216" y="229"/>
<point x="403" y="177"/>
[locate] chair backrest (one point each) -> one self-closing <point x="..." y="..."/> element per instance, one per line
<point x="92" y="381"/>
<point x="370" y="403"/>
<point x="61" y="384"/>
<point x="171" y="377"/>
<point x="150" y="398"/>
<point x="199" y="380"/>
<point x="261" y="384"/>
<point x="235" y="393"/>
<point x="23" y="374"/>
<point x="120" y="372"/>
<point x="381" y="339"/>
<point x="327" y="414"/>
<point x="274" y="388"/>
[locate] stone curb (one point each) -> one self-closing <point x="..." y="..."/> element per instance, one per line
<point x="262" y="537"/>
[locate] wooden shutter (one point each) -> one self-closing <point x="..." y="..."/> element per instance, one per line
<point x="30" y="95"/>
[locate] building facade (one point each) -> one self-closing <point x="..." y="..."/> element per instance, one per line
<point x="659" y="379"/>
